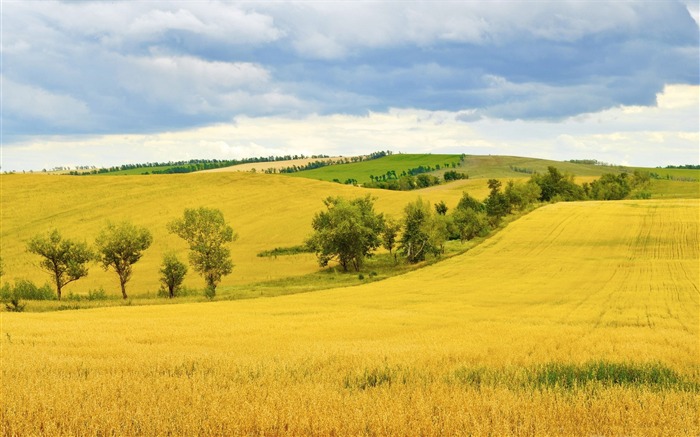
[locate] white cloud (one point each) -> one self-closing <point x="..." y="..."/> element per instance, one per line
<point x="56" y="109"/>
<point x="616" y="135"/>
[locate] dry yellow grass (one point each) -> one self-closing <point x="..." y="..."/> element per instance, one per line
<point x="260" y="167"/>
<point x="266" y="211"/>
<point x="450" y="349"/>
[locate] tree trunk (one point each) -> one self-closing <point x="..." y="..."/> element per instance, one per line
<point x="123" y="285"/>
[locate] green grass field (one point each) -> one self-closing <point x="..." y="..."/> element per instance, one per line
<point x="361" y="171"/>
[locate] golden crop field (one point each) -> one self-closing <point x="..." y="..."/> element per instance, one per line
<point x="266" y="211"/>
<point x="577" y="319"/>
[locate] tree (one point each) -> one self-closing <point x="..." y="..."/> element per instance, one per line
<point x="441" y="208"/>
<point x="520" y="195"/>
<point x="206" y="232"/>
<point x="422" y="232"/>
<point x="172" y="272"/>
<point x="120" y="246"/>
<point x="65" y="259"/>
<point x="348" y="231"/>
<point x="610" y="187"/>
<point x="390" y="233"/>
<point x="496" y="204"/>
<point x="469" y="218"/>
<point x="554" y="185"/>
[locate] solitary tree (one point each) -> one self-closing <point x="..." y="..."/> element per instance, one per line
<point x="347" y="232"/>
<point x="206" y="232"/>
<point x="172" y="272"/>
<point x="65" y="259"/>
<point x="120" y="247"/>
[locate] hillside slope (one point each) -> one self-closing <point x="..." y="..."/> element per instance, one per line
<point x="472" y="343"/>
<point x="266" y="211"/>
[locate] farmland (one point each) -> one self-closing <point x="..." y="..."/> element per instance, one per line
<point x="361" y="171"/>
<point x="480" y="343"/>
<point x="576" y="319"/>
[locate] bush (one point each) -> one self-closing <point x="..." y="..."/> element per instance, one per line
<point x="26" y="289"/>
<point x="179" y="292"/>
<point x="97" y="294"/>
<point x="14" y="306"/>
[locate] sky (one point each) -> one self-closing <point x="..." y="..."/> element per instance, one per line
<point x="108" y="83"/>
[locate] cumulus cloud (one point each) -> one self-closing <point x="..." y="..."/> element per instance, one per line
<point x="41" y="106"/>
<point x="634" y="135"/>
<point x="116" y="68"/>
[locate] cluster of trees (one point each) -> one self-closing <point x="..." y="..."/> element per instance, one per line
<point x="592" y="162"/>
<point x="413" y="179"/>
<point x="686" y="166"/>
<point x="349" y="231"/>
<point x="119" y="246"/>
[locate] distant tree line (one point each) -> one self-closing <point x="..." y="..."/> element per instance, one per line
<point x="669" y="177"/>
<point x="592" y="162"/>
<point x="413" y="178"/>
<point x="189" y="166"/>
<point x="327" y="162"/>
<point x="686" y="166"/>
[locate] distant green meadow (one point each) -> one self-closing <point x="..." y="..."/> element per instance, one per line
<point x="361" y="171"/>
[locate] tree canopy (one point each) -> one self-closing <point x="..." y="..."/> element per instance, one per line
<point x="65" y="259"/>
<point x="206" y="232"/>
<point x="424" y="231"/>
<point x="348" y="231"/>
<point x="120" y="246"/>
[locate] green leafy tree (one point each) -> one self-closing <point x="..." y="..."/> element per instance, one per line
<point x="172" y="272"/>
<point x="64" y="259"/>
<point x="390" y="234"/>
<point x="120" y="246"/>
<point x="441" y="208"/>
<point x="469" y="222"/>
<point x="469" y="202"/>
<point x="611" y="187"/>
<point x="422" y="232"/>
<point x="206" y="233"/>
<point x="496" y="204"/>
<point x="348" y="231"/>
<point x="520" y="195"/>
<point x="556" y="186"/>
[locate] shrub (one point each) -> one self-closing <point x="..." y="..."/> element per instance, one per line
<point x="14" y="306"/>
<point x="26" y="289"/>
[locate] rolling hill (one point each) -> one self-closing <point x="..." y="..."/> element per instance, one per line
<point x="580" y="318"/>
<point x="267" y="211"/>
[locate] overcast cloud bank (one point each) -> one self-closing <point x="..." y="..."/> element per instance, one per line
<point x="96" y="83"/>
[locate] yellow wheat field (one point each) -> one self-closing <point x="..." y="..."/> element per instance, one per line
<point x="266" y="211"/>
<point x="451" y="349"/>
